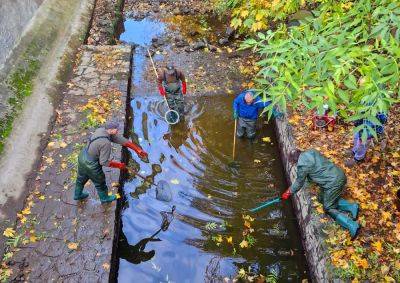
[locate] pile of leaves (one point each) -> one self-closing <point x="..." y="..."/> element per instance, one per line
<point x="255" y="15"/>
<point x="98" y="109"/>
<point x="375" y="253"/>
<point x="346" y="57"/>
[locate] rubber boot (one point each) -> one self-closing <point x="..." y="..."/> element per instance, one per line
<point x="347" y="206"/>
<point x="104" y="197"/>
<point x="80" y="194"/>
<point x="344" y="221"/>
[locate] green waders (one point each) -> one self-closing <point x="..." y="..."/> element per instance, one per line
<point x="89" y="168"/>
<point x="175" y="97"/>
<point x="334" y="205"/>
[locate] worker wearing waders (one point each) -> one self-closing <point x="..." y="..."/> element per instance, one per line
<point x="360" y="146"/>
<point x="172" y="84"/>
<point x="97" y="154"/>
<point x="331" y="179"/>
<point x="245" y="108"/>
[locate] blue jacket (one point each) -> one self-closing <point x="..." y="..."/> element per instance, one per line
<point x="248" y="111"/>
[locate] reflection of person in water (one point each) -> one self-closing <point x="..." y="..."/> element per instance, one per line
<point x="136" y="254"/>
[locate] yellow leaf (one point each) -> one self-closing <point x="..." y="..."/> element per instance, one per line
<point x="257" y="161"/>
<point x="320" y="210"/>
<point x="244" y="244"/>
<point x="242" y="273"/>
<point x="117" y="195"/>
<point x="377" y="246"/>
<point x="248" y="218"/>
<point x="33" y="239"/>
<point x="229" y="239"/>
<point x="23" y="219"/>
<point x="9" y="232"/>
<point x="247" y="224"/>
<point x="244" y="13"/>
<point x="63" y="144"/>
<point x="175" y="181"/>
<point x="266" y="139"/>
<point x="106" y="266"/>
<point x="42" y="197"/>
<point x="72" y="246"/>
<point x="219" y="239"/>
<point x="26" y="211"/>
<point x="396" y="155"/>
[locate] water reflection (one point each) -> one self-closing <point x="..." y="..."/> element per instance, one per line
<point x="194" y="157"/>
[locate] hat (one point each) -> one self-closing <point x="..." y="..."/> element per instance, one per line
<point x="170" y="69"/>
<point x="111" y="125"/>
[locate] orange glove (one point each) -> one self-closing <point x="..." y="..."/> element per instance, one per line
<point x="286" y="194"/>
<point x="136" y="148"/>
<point x="184" y="87"/>
<point x="118" y="165"/>
<point x="161" y="90"/>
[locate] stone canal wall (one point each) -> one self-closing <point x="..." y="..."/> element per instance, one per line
<point x="66" y="240"/>
<point x="309" y="222"/>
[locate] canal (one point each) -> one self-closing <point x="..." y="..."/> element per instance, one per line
<point x="211" y="236"/>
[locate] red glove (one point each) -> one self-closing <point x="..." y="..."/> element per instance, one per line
<point x="286" y="194"/>
<point x="118" y="165"/>
<point x="161" y="90"/>
<point x="184" y="87"/>
<point x="136" y="148"/>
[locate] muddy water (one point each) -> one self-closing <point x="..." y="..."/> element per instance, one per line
<point x="211" y="194"/>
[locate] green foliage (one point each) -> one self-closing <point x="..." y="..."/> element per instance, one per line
<point x="347" y="57"/>
<point x="255" y="15"/>
<point x="211" y="226"/>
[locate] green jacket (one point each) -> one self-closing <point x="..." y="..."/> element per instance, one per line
<point x="315" y="167"/>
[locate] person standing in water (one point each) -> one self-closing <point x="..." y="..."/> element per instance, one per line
<point x="172" y="84"/>
<point x="97" y="154"/>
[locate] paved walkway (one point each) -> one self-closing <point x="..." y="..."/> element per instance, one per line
<point x="62" y="240"/>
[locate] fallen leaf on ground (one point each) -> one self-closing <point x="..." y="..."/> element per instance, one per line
<point x="244" y="244"/>
<point x="9" y="232"/>
<point x="26" y="211"/>
<point x="72" y="246"/>
<point x="106" y="266"/>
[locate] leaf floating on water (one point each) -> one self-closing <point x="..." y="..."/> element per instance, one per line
<point x="211" y="226"/>
<point x="175" y="181"/>
<point x="266" y="139"/>
<point x="257" y="161"/>
<point x="26" y="211"/>
<point x="117" y="195"/>
<point x="229" y="240"/>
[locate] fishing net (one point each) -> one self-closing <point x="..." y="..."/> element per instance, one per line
<point x="172" y="117"/>
<point x="167" y="218"/>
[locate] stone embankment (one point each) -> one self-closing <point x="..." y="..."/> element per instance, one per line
<point x="309" y="222"/>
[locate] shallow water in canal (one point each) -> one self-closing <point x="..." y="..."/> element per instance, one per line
<point x="211" y="193"/>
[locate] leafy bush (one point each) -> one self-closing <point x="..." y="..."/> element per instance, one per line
<point x="254" y="15"/>
<point x="347" y="57"/>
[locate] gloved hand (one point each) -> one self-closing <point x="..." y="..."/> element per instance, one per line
<point x="235" y="115"/>
<point x="118" y="165"/>
<point x="286" y="194"/>
<point x="184" y="88"/>
<point x="161" y="90"/>
<point x="136" y="148"/>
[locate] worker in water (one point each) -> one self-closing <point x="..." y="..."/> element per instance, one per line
<point x="96" y="154"/>
<point x="331" y="179"/>
<point x="360" y="146"/>
<point x="245" y="108"/>
<point x="172" y="84"/>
